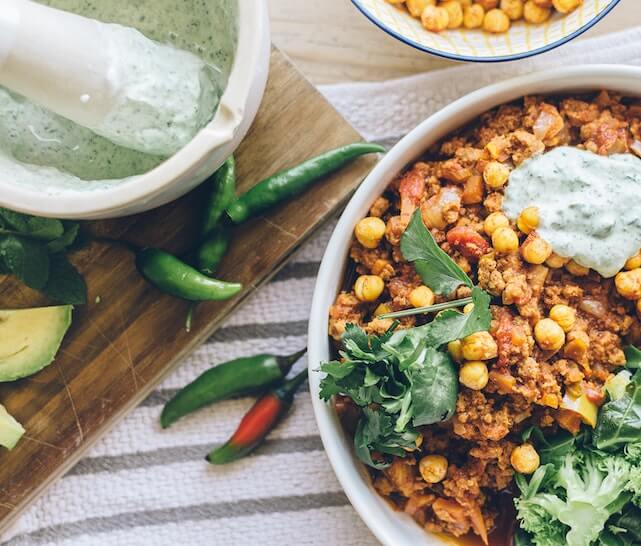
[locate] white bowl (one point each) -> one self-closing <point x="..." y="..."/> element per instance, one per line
<point x="394" y="528"/>
<point x="522" y="40"/>
<point x="188" y="167"/>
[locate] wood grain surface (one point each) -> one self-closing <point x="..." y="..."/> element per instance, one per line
<point x="330" y="41"/>
<point x="130" y="335"/>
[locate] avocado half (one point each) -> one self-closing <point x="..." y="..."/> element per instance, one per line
<point x="10" y="430"/>
<point x="30" y="339"/>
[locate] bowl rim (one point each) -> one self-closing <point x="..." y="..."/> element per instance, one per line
<point x="253" y="26"/>
<point x="481" y="59"/>
<point x="376" y="513"/>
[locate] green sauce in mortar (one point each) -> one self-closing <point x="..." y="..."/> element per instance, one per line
<point x="41" y="149"/>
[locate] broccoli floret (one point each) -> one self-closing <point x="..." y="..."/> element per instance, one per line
<point x="633" y="456"/>
<point x="577" y="501"/>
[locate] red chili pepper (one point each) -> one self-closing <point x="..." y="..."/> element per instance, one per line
<point x="258" y="422"/>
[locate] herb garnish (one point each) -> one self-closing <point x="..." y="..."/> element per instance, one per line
<point x="34" y="250"/>
<point x="434" y="266"/>
<point x="406" y="378"/>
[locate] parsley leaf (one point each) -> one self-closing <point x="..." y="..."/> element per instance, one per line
<point x="36" y="227"/>
<point x="65" y="284"/>
<point x="434" y="388"/>
<point x="26" y="259"/>
<point x="434" y="266"/>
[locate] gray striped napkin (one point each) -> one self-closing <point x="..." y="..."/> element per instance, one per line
<point x="143" y="486"/>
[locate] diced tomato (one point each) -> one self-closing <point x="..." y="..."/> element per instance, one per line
<point x="468" y="242"/>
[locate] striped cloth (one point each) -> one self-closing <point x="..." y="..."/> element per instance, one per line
<point x="143" y="486"/>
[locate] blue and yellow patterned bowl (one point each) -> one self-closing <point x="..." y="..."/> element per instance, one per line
<point x="522" y="40"/>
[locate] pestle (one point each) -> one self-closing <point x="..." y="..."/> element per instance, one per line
<point x="134" y="91"/>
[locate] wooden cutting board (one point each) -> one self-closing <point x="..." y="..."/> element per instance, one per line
<point x="130" y="335"/>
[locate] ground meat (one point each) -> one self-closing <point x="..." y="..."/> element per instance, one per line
<point x="526" y="384"/>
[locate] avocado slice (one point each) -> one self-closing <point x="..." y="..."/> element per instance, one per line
<point x="30" y="339"/>
<point x="10" y="430"/>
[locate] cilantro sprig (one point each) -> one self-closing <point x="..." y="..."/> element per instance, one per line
<point x="34" y="250"/>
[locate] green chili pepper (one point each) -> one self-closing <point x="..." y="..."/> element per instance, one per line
<point x="179" y="279"/>
<point x="212" y="250"/>
<point x="237" y="377"/>
<point x="258" y="422"/>
<point x="222" y="194"/>
<point x="291" y="182"/>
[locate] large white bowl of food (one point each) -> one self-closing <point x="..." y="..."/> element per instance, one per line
<point x="52" y="166"/>
<point x="475" y="329"/>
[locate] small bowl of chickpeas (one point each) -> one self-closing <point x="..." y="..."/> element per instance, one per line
<point x="485" y="30"/>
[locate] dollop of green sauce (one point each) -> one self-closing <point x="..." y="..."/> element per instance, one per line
<point x="589" y="205"/>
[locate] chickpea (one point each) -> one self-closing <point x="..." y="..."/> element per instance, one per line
<point x="528" y="220"/>
<point x="577" y="346"/>
<point x="566" y="6"/>
<point x="421" y="296"/>
<point x="505" y="240"/>
<point x="382" y="309"/>
<point x="535" y="250"/>
<point x="455" y="13"/>
<point x="628" y="284"/>
<point x="496" y="21"/>
<point x="549" y="335"/>
<point x="533" y="13"/>
<point x="525" y="459"/>
<point x="468" y="308"/>
<point x="395" y="1"/>
<point x="639" y="307"/>
<point x="564" y="316"/>
<point x="433" y="468"/>
<point x="576" y="269"/>
<point x="455" y="349"/>
<point x="543" y="3"/>
<point x="479" y="346"/>
<point x="474" y="375"/>
<point x="435" y="19"/>
<point x="368" y="287"/>
<point x="465" y="3"/>
<point x="495" y="221"/>
<point x="496" y="174"/>
<point x="634" y="262"/>
<point x="488" y="4"/>
<point x="473" y="16"/>
<point x="416" y="7"/>
<point x="555" y="261"/>
<point x="513" y="9"/>
<point x="370" y="231"/>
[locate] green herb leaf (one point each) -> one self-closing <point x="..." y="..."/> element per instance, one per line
<point x="68" y="237"/>
<point x="632" y="357"/>
<point x="434" y="388"/>
<point x="619" y="421"/>
<point x="65" y="284"/>
<point x="375" y="432"/>
<point x="434" y="266"/>
<point x="451" y="325"/>
<point x="33" y="226"/>
<point x="26" y="259"/>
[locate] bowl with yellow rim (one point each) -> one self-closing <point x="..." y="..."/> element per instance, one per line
<point x="521" y="40"/>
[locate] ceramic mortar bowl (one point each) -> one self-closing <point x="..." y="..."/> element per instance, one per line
<point x="188" y="167"/>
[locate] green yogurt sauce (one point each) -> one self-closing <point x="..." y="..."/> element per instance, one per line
<point x="41" y="149"/>
<point x="589" y="205"/>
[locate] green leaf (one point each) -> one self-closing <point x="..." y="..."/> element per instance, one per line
<point x="375" y="432"/>
<point x="451" y="325"/>
<point x="66" y="239"/>
<point x="26" y="259"/>
<point x="619" y="420"/>
<point x="33" y="226"/>
<point x="65" y="284"/>
<point x="434" y="389"/>
<point x="433" y="265"/>
<point x="632" y="357"/>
